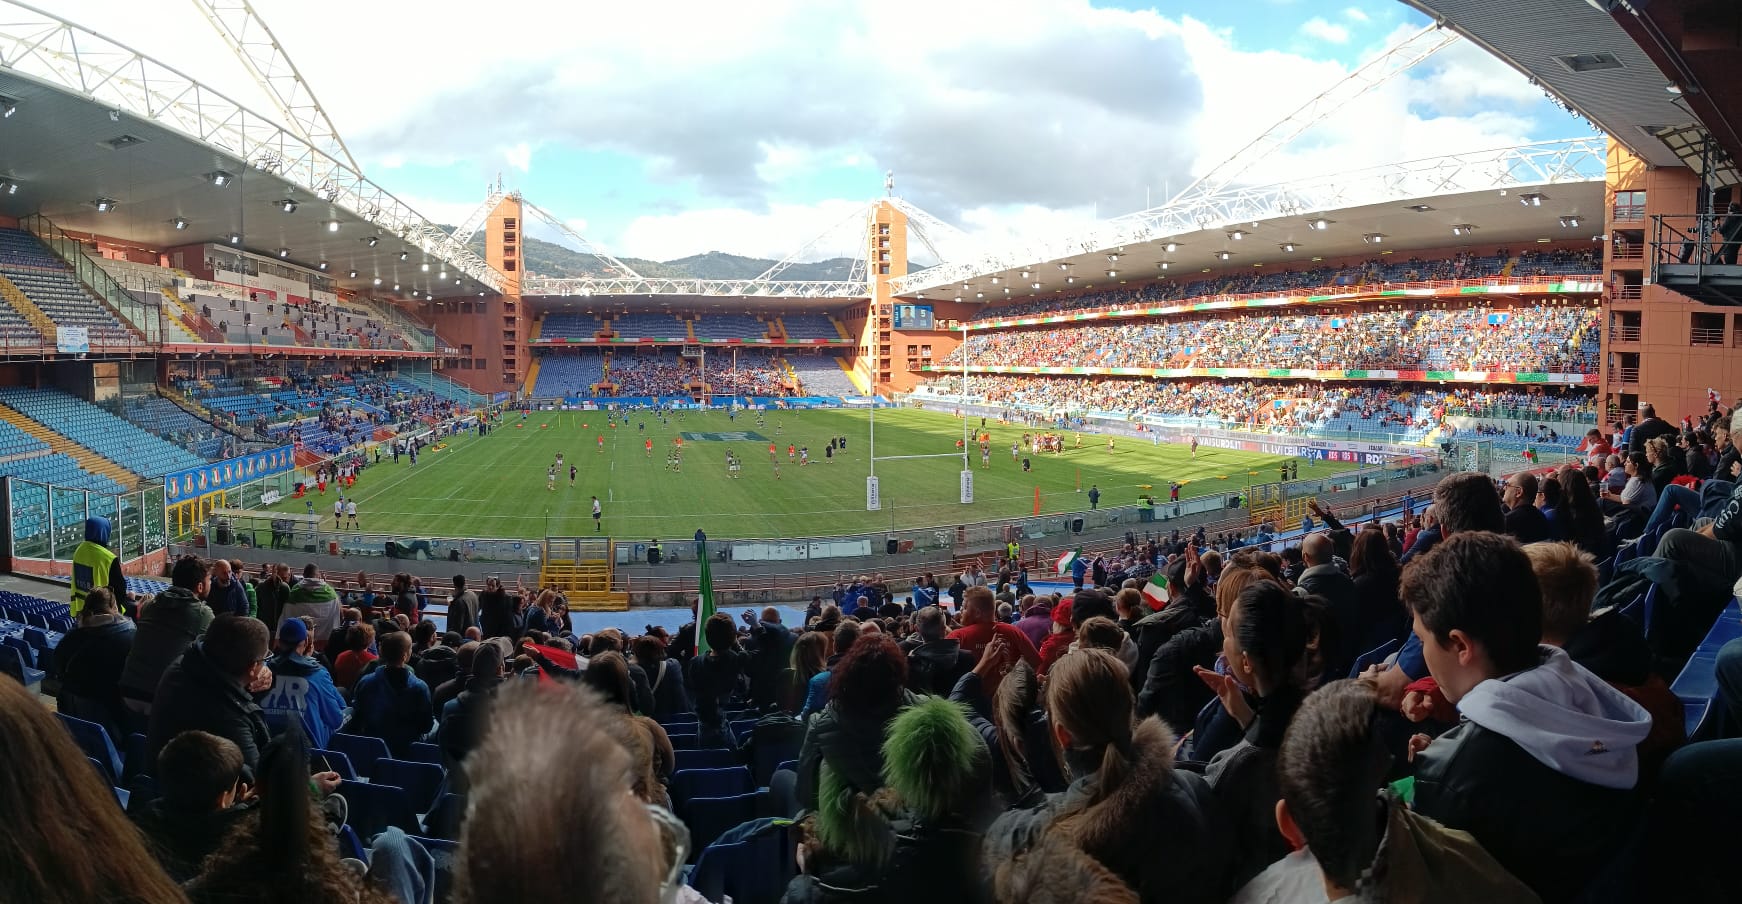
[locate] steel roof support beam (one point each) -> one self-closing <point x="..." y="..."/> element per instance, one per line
<point x="258" y="49"/>
<point x="1546" y="163"/>
<point x="43" y="47"/>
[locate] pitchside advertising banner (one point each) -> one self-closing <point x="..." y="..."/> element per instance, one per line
<point x="72" y="340"/>
<point x="181" y="486"/>
<point x="1296" y="373"/>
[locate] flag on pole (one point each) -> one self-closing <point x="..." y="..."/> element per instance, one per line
<point x="1155" y="592"/>
<point x="1067" y="560"/>
<point x="706" y="609"/>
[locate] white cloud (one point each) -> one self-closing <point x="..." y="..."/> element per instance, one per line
<point x="1319" y="27"/>
<point x="1055" y="112"/>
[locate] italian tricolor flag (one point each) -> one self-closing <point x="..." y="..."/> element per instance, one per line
<point x="1067" y="560"/>
<point x="1155" y="592"/>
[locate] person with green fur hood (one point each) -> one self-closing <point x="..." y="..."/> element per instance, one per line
<point x="916" y="840"/>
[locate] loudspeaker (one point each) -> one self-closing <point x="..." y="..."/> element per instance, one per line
<point x="891" y="545"/>
<point x="1076" y="525"/>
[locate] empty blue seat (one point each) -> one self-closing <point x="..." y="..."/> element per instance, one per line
<point x="375" y="807"/>
<point x="710" y="817"/>
<point x="94" y="741"/>
<point x="421" y="781"/>
<point x="25" y="651"/>
<point x="683" y="741"/>
<point x="712" y="758"/>
<point x="691" y="784"/>
<point x="420" y="752"/>
<point x="362" y="749"/>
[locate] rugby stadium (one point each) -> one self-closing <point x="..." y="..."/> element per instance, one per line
<point x="232" y="358"/>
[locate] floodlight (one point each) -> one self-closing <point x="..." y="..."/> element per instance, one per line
<point x="219" y="178"/>
<point x="104" y="205"/>
<point x="235" y="238"/>
<point x="287" y="205"/>
<point x="178" y="224"/>
<point x="352" y="274"/>
<point x="283" y="253"/>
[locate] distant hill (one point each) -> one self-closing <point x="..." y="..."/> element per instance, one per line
<point x="543" y="258"/>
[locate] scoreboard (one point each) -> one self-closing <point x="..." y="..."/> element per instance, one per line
<point x="913" y="317"/>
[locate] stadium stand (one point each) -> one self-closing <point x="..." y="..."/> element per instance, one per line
<point x="730" y="326"/>
<point x="1374" y="274"/>
<point x="570" y="325"/>
<point x="567" y="375"/>
<point x="1527" y="338"/>
<point x="51" y="286"/>
<point x="809" y="326"/>
<point x="173" y="424"/>
<point x="820" y="375"/>
<point x="109" y="436"/>
<point x="649" y="326"/>
<point x="1408" y="413"/>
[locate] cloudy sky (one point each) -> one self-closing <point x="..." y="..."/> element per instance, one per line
<point x="661" y="129"/>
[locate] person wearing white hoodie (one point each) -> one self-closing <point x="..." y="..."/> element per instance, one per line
<point x="1542" y="767"/>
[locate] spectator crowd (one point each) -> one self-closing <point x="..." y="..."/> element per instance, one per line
<point x="1378" y="273"/>
<point x="1454" y="706"/>
<point x="1557" y="338"/>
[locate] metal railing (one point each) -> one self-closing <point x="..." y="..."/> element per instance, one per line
<point x="1624" y="375"/>
<point x="1624" y="334"/>
<point x="1706" y="335"/>
<point x="1695" y="240"/>
<point x="1628" y="213"/>
<point x="143" y="318"/>
<point x="1629" y="292"/>
<point x="47" y="522"/>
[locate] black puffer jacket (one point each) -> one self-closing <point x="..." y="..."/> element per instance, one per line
<point x="1159" y="830"/>
<point x="1171" y="690"/>
<point x="929" y="864"/>
<point x="935" y="666"/>
<point x="195" y="696"/>
<point x="852" y="743"/>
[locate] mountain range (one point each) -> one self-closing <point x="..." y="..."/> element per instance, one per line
<point x="542" y="258"/>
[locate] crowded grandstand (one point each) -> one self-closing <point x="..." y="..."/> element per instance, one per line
<point x="1265" y="546"/>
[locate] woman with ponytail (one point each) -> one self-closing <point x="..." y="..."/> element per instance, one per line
<point x="1127" y="808"/>
<point x="1265" y="644"/>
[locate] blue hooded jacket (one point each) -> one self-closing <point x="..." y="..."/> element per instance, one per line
<point x="97" y="530"/>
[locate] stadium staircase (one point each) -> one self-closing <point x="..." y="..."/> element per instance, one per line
<point x="840" y="327"/>
<point x="1506" y="271"/>
<point x="26" y="308"/>
<point x="87" y="460"/>
<point x="581" y="567"/>
<point x="689" y="327"/>
<point x="532" y="374"/>
<point x="186" y="321"/>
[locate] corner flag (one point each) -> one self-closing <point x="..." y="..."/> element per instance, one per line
<point x="706" y="610"/>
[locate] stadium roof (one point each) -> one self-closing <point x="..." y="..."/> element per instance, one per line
<point x="1551" y="211"/>
<point x="95" y="120"/>
<point x="699" y="303"/>
<point x="1618" y="68"/>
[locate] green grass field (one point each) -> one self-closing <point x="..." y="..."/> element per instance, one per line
<point x="495" y="486"/>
